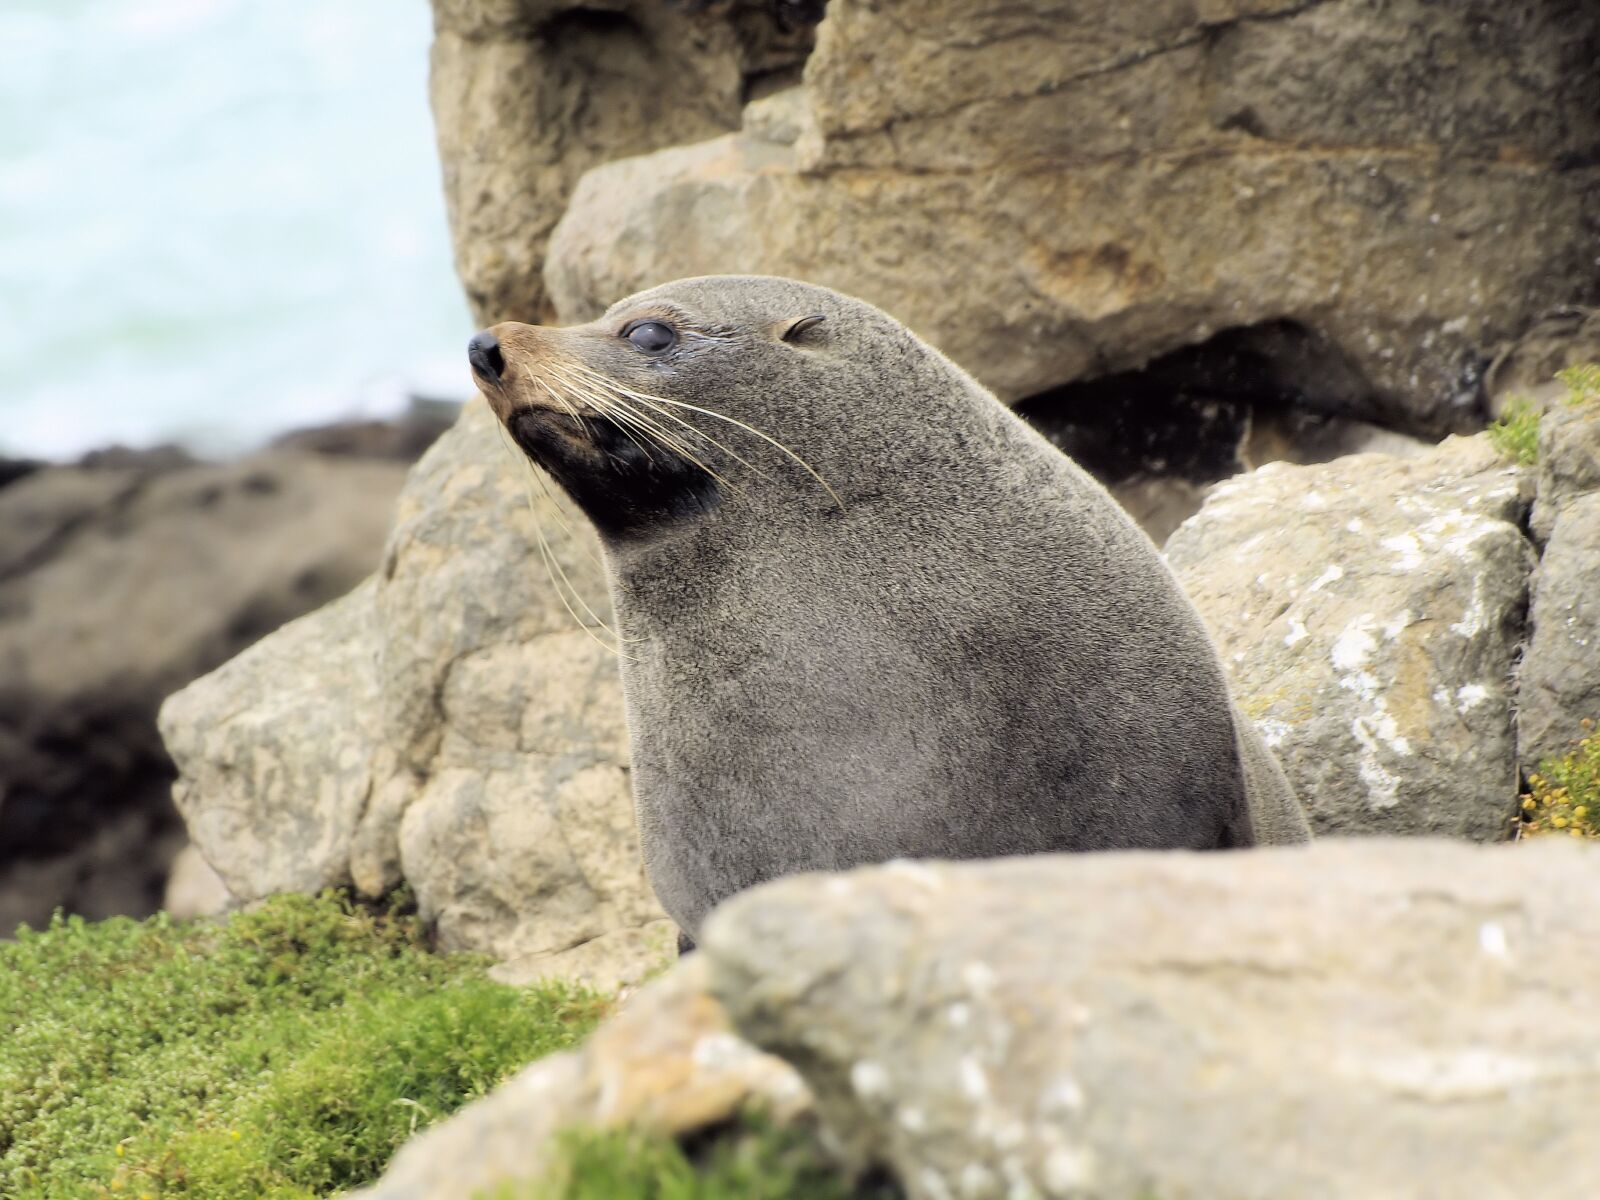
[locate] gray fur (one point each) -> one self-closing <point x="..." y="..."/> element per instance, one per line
<point x="979" y="655"/>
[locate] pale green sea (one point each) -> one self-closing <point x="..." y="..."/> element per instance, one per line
<point x="219" y="219"/>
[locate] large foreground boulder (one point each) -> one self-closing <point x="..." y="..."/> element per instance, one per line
<point x="1050" y="192"/>
<point x="452" y="724"/>
<point x="1356" y="1019"/>
<point x="1370" y="612"/>
<point x="119" y="582"/>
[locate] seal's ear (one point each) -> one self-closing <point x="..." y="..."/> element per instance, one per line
<point x="797" y="329"/>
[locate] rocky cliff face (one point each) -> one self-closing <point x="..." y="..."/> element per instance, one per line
<point x="1048" y="192"/>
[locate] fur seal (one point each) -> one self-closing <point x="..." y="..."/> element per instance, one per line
<point x="864" y="611"/>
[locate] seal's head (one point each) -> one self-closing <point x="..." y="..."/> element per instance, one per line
<point x="682" y="397"/>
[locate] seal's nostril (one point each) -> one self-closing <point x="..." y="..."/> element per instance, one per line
<point x="483" y="352"/>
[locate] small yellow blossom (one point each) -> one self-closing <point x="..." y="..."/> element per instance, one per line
<point x="1527" y="802"/>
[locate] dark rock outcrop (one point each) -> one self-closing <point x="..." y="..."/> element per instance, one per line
<point x="119" y="582"/>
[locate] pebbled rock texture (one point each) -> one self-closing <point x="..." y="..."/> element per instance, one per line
<point x="1370" y="613"/>
<point x="448" y="724"/>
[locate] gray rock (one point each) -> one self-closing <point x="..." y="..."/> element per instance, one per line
<point x="449" y="724"/>
<point x="1355" y="1019"/>
<point x="120" y="582"/>
<point x="1526" y="368"/>
<point x="1369" y="612"/>
<point x="1569" y="459"/>
<point x="1559" y="681"/>
<point x="269" y="808"/>
<point x="666" y="1063"/>
<point x="1103" y="183"/>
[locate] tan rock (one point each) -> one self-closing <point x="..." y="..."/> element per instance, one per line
<point x="1050" y="192"/>
<point x="526" y="96"/>
<point x="448" y="724"/>
<point x="1370" y="612"/>
<point x="194" y="889"/>
<point x="1355" y="1019"/>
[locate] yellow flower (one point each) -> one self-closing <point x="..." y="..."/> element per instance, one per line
<point x="1559" y="822"/>
<point x="235" y="1134"/>
<point x="1581" y="811"/>
<point x="1527" y="802"/>
<point x="121" y="1150"/>
<point x="1577" y="833"/>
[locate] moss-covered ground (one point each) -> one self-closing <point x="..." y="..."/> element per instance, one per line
<point x="752" y="1160"/>
<point x="285" y="1053"/>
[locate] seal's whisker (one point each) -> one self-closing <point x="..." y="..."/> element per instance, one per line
<point x="616" y="393"/>
<point x="552" y="565"/>
<point x="653" y="401"/>
<point x="609" y="405"/>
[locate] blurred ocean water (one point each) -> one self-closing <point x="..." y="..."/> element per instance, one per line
<point x="219" y="219"/>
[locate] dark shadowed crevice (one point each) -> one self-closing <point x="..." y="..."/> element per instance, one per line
<point x="576" y="25"/>
<point x="1159" y="435"/>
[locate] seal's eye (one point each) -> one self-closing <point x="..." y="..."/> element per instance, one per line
<point x="652" y="337"/>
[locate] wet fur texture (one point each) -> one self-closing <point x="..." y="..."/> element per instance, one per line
<point x="971" y="651"/>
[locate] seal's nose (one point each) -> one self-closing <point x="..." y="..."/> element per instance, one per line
<point x="483" y="352"/>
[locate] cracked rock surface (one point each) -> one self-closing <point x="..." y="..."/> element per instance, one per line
<point x="1354" y="1019"/>
<point x="1050" y="192"/>
<point x="1370" y="612"/>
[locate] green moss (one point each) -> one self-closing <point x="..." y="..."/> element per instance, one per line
<point x="753" y="1160"/>
<point x="1516" y="433"/>
<point x="285" y="1053"/>
<point x="1563" y="796"/>
<point x="1582" y="382"/>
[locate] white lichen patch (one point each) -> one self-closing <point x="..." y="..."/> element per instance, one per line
<point x="1297" y="632"/>
<point x="1063" y="1098"/>
<point x="973" y="1079"/>
<point x="1373" y="728"/>
<point x="1407" y="549"/>
<point x="1394" y="628"/>
<point x="1332" y="574"/>
<point x="1469" y="696"/>
<point x="1354" y="645"/>
<point x="1273" y="731"/>
<point x="869" y="1080"/>
<point x="1069" y="1169"/>
<point x="1492" y="939"/>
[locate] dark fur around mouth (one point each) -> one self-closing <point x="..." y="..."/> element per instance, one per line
<point x="626" y="485"/>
